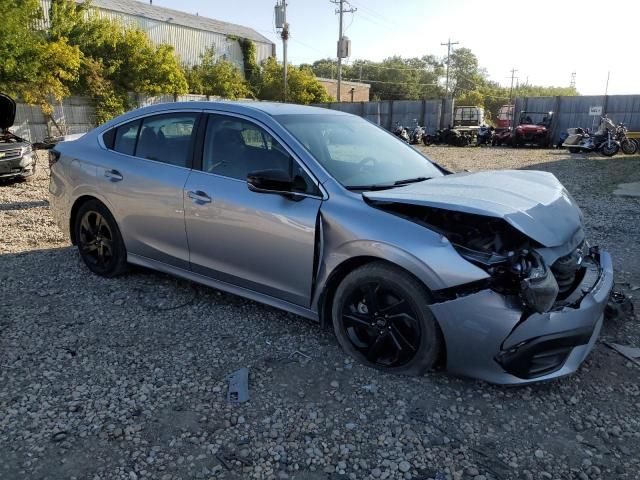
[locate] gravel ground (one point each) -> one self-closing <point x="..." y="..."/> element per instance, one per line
<point x="126" y="378"/>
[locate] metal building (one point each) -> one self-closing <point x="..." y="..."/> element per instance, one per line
<point x="190" y="35"/>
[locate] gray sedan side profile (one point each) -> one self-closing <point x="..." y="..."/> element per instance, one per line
<point x="328" y="216"/>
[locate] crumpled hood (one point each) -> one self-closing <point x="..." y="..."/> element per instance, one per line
<point x="535" y="203"/>
<point x="7" y="111"/>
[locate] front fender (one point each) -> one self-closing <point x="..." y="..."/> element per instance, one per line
<point x="350" y="229"/>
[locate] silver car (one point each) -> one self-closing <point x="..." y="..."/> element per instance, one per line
<point x="328" y="216"/>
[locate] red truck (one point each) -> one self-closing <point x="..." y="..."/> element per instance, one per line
<point x="504" y="118"/>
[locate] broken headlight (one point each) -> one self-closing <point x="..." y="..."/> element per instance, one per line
<point x="521" y="273"/>
<point x="539" y="289"/>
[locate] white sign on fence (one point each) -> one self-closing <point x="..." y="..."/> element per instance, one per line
<point x="595" y="111"/>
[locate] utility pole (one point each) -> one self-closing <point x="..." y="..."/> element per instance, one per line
<point x="572" y="84"/>
<point x="606" y="88"/>
<point x="343" y="50"/>
<point x="281" y="23"/>
<point x="513" y="77"/>
<point x="448" y="45"/>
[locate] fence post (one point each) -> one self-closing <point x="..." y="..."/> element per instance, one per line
<point x="390" y="125"/>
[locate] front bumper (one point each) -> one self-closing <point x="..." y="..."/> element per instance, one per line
<point x="489" y="336"/>
<point x="23" y="166"/>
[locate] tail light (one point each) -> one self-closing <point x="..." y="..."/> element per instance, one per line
<point x="54" y="156"/>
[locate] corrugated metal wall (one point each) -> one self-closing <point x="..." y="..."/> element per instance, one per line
<point x="73" y="115"/>
<point x="386" y="113"/>
<point x="568" y="111"/>
<point x="189" y="43"/>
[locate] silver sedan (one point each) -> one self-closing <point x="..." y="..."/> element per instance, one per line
<point x="328" y="216"/>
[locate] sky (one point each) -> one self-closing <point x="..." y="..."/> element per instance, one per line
<point x="545" y="40"/>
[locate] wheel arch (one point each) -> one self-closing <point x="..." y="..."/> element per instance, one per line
<point x="339" y="273"/>
<point x="77" y="204"/>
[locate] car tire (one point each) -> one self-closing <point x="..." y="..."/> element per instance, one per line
<point x="400" y="335"/>
<point x="99" y="241"/>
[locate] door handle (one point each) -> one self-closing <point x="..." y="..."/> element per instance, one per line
<point x="198" y="196"/>
<point x="113" y="175"/>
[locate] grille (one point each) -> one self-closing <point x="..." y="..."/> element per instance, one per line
<point x="565" y="270"/>
<point x="10" y="153"/>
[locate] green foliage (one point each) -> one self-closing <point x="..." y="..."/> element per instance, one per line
<point x="394" y="78"/>
<point x="19" y="42"/>
<point x="249" y="56"/>
<point x="464" y="73"/>
<point x="325" y="68"/>
<point x="115" y="60"/>
<point x="34" y="67"/>
<point x="59" y="66"/>
<point x="217" y="77"/>
<point x="303" y="87"/>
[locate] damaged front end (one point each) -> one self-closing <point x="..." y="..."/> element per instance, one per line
<point x="507" y="255"/>
<point x="538" y="313"/>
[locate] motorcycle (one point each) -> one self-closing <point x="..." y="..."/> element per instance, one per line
<point x="417" y="133"/>
<point x="484" y="136"/>
<point x="627" y="145"/>
<point x="448" y="136"/>
<point x="603" y="140"/>
<point x="401" y="132"/>
<point x="503" y="137"/>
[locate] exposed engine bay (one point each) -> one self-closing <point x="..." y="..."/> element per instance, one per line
<point x="501" y="250"/>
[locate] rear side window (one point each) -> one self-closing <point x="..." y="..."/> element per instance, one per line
<point x="108" y="137"/>
<point x="125" y="138"/>
<point x="167" y="138"/>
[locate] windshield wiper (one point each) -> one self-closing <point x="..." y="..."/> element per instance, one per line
<point x="387" y="186"/>
<point x="407" y="181"/>
<point x="379" y="186"/>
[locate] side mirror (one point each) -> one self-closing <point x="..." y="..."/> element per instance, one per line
<point x="270" y="181"/>
<point x="277" y="182"/>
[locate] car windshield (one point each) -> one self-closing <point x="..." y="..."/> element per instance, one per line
<point x="357" y="153"/>
<point x="535" y="118"/>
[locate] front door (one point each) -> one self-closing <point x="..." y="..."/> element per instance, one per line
<point x="263" y="242"/>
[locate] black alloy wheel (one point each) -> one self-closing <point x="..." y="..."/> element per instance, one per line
<point x="381" y="317"/>
<point x="99" y="240"/>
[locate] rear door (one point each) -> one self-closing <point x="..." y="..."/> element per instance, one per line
<point x="144" y="179"/>
<point x="263" y="242"/>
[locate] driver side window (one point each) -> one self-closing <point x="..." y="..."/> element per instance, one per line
<point x="234" y="147"/>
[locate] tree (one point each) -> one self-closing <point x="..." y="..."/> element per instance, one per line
<point x="325" y="68"/>
<point x="114" y="60"/>
<point x="19" y="42"/>
<point x="33" y="66"/>
<point x="58" y="68"/>
<point x="464" y="73"/>
<point x="217" y="77"/>
<point x="303" y="87"/>
<point x="395" y="78"/>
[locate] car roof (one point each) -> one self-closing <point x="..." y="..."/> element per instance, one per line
<point x="270" y="108"/>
